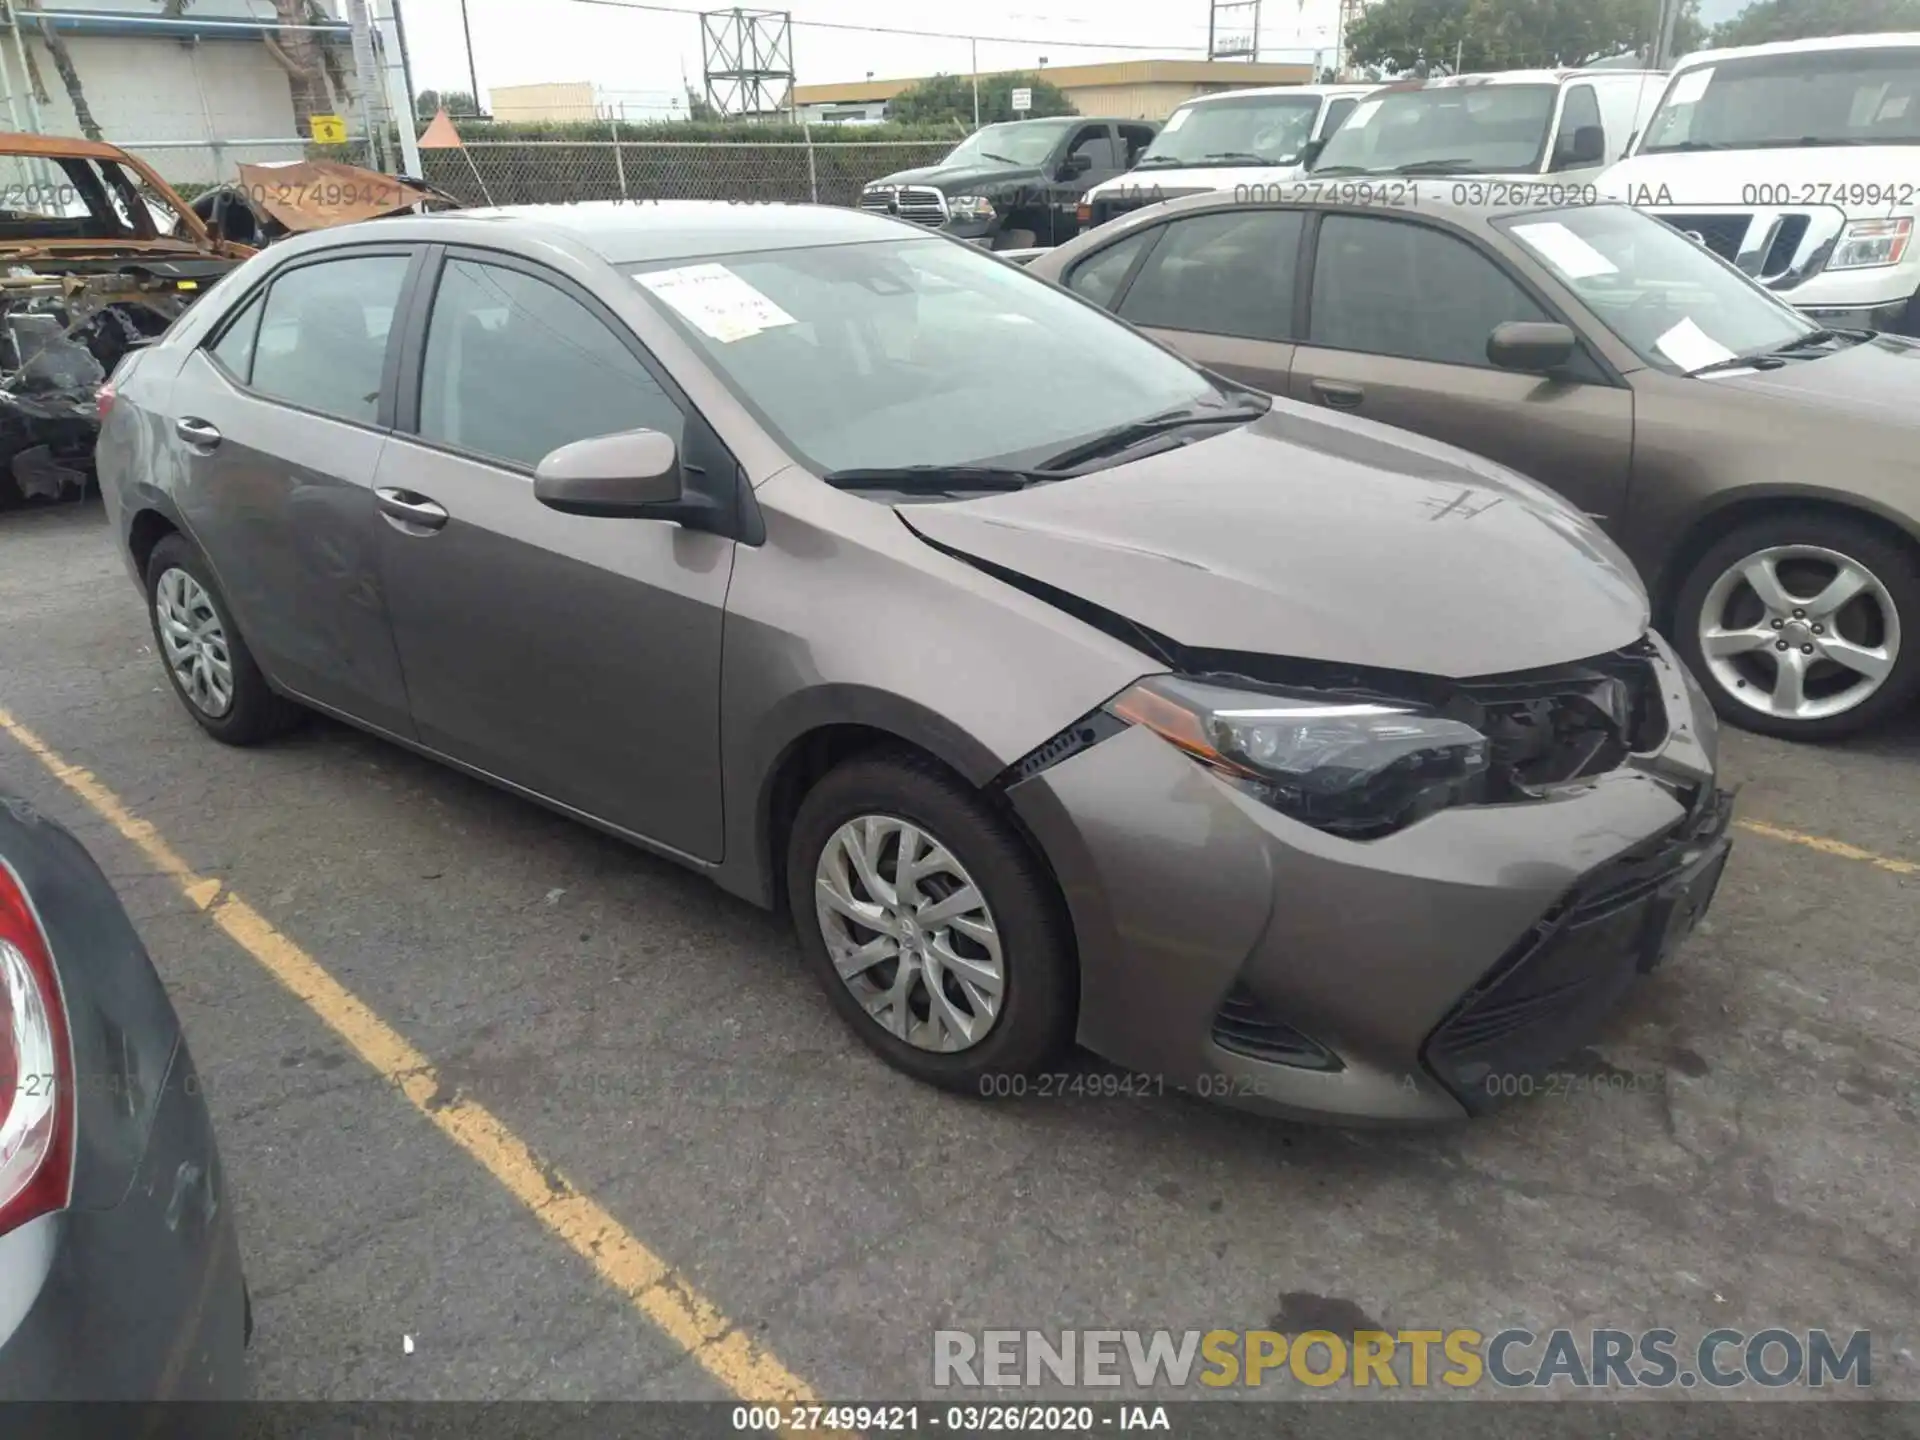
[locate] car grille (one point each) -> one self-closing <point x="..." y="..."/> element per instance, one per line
<point x="1726" y="235"/>
<point x="1541" y="1000"/>
<point x="1244" y="1025"/>
<point x="921" y="204"/>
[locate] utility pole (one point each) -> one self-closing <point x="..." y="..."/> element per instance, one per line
<point x="367" y="82"/>
<point x="406" y="61"/>
<point x="473" y="75"/>
<point x="1663" y="41"/>
<point x="974" y="47"/>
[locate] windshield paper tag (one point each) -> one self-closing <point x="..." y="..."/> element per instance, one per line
<point x="1570" y="253"/>
<point x="1362" y="113"/>
<point x="1690" y="347"/>
<point x="716" y="301"/>
<point x="1691" y="86"/>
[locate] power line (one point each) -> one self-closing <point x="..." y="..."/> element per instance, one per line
<point x="917" y="34"/>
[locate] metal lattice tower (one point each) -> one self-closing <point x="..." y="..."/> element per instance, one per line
<point x="1350" y="11"/>
<point x="1233" y="30"/>
<point x="747" y="56"/>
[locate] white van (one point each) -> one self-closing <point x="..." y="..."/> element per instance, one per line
<point x="1800" y="163"/>
<point x="1560" y="128"/>
<point x="1219" y="141"/>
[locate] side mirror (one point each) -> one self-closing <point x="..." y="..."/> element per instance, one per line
<point x="1531" y="346"/>
<point x="634" y="473"/>
<point x="1076" y="164"/>
<point x="1588" y="146"/>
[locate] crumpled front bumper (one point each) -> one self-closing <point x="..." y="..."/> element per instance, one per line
<point x="1188" y="895"/>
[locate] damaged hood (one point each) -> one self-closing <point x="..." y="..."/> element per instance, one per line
<point x="1320" y="537"/>
<point x="319" y="194"/>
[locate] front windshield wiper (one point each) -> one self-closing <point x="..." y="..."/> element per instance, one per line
<point x="1154" y="162"/>
<point x="1458" y="166"/>
<point x="1339" y="170"/>
<point x="931" y="479"/>
<point x="1684" y="146"/>
<point x="1125" y="437"/>
<point x="1003" y="159"/>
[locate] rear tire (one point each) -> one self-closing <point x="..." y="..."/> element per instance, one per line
<point x="1015" y="240"/>
<point x="887" y="803"/>
<point x="206" y="660"/>
<point x="1752" y="640"/>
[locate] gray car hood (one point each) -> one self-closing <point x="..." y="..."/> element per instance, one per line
<point x="1320" y="537"/>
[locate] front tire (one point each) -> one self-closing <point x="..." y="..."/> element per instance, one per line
<point x="209" y="665"/>
<point x="1015" y="240"/>
<point x="1804" y="625"/>
<point x="933" y="928"/>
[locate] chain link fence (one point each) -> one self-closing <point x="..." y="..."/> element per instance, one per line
<point x="534" y="172"/>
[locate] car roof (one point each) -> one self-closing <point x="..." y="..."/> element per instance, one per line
<point x="1422" y="199"/>
<point x="1278" y="90"/>
<point x="1892" y="40"/>
<point x="1520" y="77"/>
<point x="15" y="143"/>
<point x="640" y="231"/>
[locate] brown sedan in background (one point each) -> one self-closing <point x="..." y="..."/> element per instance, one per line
<point x="1759" y="470"/>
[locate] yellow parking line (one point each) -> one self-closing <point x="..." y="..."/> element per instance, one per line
<point x="1825" y="846"/>
<point x="647" y="1281"/>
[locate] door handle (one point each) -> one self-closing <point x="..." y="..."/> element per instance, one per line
<point x="196" y="431"/>
<point x="409" y="512"/>
<point x="1340" y="397"/>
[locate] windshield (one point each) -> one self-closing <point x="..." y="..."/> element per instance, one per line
<point x="1673" y="302"/>
<point x="1471" y="129"/>
<point x="1269" y="128"/>
<point x="1020" y="142"/>
<point x="69" y="198"/>
<point x="1822" y="97"/>
<point x="915" y="352"/>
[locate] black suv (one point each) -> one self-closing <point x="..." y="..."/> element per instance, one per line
<point x="1016" y="185"/>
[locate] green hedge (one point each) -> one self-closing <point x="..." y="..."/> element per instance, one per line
<point x="689" y="130"/>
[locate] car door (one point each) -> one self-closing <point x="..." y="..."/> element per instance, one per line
<point x="1399" y="313"/>
<point x="577" y="658"/>
<point x="280" y="417"/>
<point x="1218" y="287"/>
<point x="1105" y="157"/>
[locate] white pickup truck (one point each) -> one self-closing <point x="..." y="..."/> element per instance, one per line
<point x="1799" y="162"/>
<point x="1225" y="140"/>
<point x="1514" y="136"/>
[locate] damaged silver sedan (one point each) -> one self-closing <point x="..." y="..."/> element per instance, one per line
<point x="1057" y="688"/>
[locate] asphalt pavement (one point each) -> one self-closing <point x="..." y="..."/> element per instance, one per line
<point x="1740" y="1149"/>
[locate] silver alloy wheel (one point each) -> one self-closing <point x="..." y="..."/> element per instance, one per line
<point x="909" y="933"/>
<point x="1799" y="632"/>
<point x="195" y="643"/>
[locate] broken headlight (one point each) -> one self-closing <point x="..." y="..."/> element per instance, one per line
<point x="1357" y="768"/>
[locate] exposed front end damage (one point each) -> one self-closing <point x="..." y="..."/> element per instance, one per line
<point x="62" y="330"/>
<point x="98" y="256"/>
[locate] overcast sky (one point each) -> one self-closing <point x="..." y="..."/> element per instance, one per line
<point x="638" y="56"/>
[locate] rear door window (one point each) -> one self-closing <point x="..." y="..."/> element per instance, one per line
<point x="323" y="334"/>
<point x="1225" y="274"/>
